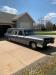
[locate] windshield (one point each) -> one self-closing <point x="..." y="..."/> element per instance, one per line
<point x="28" y="32"/>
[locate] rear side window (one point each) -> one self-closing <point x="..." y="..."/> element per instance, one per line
<point x="15" y="32"/>
<point x="20" y="33"/>
<point x="9" y="31"/>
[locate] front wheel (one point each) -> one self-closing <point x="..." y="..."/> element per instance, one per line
<point x="33" y="45"/>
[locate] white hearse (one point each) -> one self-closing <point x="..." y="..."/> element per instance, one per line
<point x="28" y="37"/>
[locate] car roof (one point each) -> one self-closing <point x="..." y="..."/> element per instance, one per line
<point x="18" y="29"/>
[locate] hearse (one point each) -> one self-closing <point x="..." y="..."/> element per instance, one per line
<point x="28" y="37"/>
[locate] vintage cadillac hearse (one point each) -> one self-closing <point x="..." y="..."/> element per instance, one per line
<point x="28" y="37"/>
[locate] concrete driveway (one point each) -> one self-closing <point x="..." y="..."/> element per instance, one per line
<point x="14" y="57"/>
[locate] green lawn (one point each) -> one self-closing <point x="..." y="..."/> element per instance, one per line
<point x="45" y="33"/>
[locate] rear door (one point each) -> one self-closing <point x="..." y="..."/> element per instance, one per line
<point x="13" y="35"/>
<point x="20" y="36"/>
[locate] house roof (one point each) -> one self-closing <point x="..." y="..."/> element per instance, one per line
<point x="6" y="17"/>
<point x="21" y="15"/>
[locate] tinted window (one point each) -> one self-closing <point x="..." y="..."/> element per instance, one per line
<point x="15" y="32"/>
<point x="28" y="32"/>
<point x="9" y="31"/>
<point x="20" y="33"/>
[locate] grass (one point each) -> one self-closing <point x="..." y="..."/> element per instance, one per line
<point x="45" y="33"/>
<point x="49" y="68"/>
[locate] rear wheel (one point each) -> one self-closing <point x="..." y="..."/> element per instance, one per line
<point x="33" y="45"/>
<point x="9" y="39"/>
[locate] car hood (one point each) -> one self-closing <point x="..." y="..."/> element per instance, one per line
<point x="40" y="37"/>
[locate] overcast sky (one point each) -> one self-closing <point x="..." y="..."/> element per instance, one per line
<point x="36" y="8"/>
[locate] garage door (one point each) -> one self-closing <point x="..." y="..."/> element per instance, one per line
<point x="25" y="25"/>
<point x="3" y="29"/>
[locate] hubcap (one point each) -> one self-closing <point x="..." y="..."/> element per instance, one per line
<point x="33" y="45"/>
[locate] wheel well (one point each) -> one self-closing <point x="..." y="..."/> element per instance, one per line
<point x="31" y="42"/>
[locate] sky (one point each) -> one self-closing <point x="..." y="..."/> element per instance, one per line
<point x="38" y="9"/>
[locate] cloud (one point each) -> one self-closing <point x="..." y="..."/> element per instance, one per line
<point x="53" y="1"/>
<point x="9" y="10"/>
<point x="49" y="16"/>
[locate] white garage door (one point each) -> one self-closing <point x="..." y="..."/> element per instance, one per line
<point x="25" y="25"/>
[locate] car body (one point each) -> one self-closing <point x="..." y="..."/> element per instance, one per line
<point x="28" y="37"/>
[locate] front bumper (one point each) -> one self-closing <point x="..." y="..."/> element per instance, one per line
<point x="47" y="41"/>
<point x="44" y="42"/>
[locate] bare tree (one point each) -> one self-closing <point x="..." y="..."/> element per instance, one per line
<point x="49" y="25"/>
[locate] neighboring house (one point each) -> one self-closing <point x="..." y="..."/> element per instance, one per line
<point x="5" y="22"/>
<point x="10" y="20"/>
<point x="23" y="21"/>
<point x="6" y="19"/>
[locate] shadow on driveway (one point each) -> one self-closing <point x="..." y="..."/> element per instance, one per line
<point x="48" y="50"/>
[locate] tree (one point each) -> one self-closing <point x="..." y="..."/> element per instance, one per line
<point x="54" y="27"/>
<point x="49" y="25"/>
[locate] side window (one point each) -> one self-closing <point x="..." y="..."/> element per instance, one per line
<point x="15" y="32"/>
<point x="20" y="33"/>
<point x="9" y="31"/>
